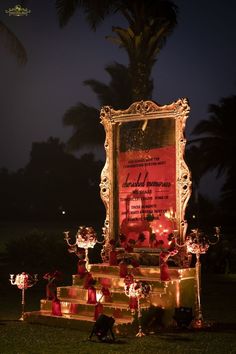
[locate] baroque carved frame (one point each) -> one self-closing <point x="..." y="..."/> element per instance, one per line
<point x="143" y="110"/>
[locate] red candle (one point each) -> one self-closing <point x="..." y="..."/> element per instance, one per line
<point x="74" y="309"/>
<point x="164" y="272"/>
<point x="106" y="293"/>
<point x="56" y="308"/>
<point x="98" y="310"/>
<point x="133" y="303"/>
<point x="88" y="280"/>
<point x="164" y="269"/>
<point x="92" y="299"/>
<point x="123" y="270"/>
<point x="113" y="258"/>
<point x="81" y="268"/>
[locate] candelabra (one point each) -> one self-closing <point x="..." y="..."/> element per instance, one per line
<point x="85" y="238"/>
<point x="198" y="243"/>
<point x="23" y="281"/>
<point x="136" y="290"/>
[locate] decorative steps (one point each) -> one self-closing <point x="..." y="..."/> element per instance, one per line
<point x="76" y="311"/>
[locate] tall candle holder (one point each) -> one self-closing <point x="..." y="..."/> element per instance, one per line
<point x="85" y="238"/>
<point x="136" y="290"/>
<point x="198" y="243"/>
<point x="23" y="281"/>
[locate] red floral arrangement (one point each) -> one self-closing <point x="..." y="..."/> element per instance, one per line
<point x="130" y="245"/>
<point x="53" y="276"/>
<point x="141" y="237"/>
<point x="51" y="288"/>
<point x="122" y="238"/>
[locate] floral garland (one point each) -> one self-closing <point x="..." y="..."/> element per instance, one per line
<point x="52" y="276"/>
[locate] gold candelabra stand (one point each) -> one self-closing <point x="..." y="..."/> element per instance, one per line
<point x="85" y="238"/>
<point x="198" y="243"/>
<point x="23" y="281"/>
<point x="138" y="290"/>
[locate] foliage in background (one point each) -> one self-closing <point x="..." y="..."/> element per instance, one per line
<point x="54" y="185"/>
<point x="13" y="45"/>
<point x="87" y="129"/>
<point x="213" y="149"/>
<point x="38" y="252"/>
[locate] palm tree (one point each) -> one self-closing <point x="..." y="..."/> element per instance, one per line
<point x="10" y="41"/>
<point x="85" y="119"/>
<point x="217" y="142"/>
<point x="149" y="24"/>
<point x="216" y="145"/>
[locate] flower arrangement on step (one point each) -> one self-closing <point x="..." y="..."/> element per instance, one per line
<point x="51" y="287"/>
<point x="51" y="291"/>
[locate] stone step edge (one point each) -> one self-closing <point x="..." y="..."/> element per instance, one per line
<point x="112" y="290"/>
<point x="46" y="314"/>
<point x="106" y="304"/>
<point x="136" y="277"/>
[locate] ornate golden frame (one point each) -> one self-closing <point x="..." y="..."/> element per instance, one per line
<point x="143" y="110"/>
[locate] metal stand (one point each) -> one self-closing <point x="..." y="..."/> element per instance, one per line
<point x="198" y="321"/>
<point x="22" y="305"/>
<point x="140" y="331"/>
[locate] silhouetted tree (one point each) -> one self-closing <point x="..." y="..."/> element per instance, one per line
<point x="85" y="119"/>
<point x="10" y="41"/>
<point x="215" y="148"/>
<point x="149" y="24"/>
<point x="53" y="185"/>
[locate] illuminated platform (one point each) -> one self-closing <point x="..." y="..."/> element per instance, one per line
<point x="76" y="312"/>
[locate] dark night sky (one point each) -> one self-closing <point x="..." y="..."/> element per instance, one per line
<point x="198" y="62"/>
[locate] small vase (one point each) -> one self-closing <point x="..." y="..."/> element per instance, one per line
<point x="113" y="258"/>
<point x="56" y="308"/>
<point x="123" y="269"/>
<point x="92" y="298"/>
